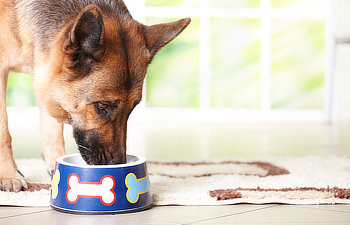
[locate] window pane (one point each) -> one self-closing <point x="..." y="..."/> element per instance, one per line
<point x="191" y="3"/>
<point x="297" y="3"/>
<point x="235" y="62"/>
<point x="297" y="64"/>
<point x="173" y="77"/>
<point x="235" y="3"/>
<point x="19" y="90"/>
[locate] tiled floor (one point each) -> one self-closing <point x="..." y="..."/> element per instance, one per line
<point x="201" y="215"/>
<point x="198" y="142"/>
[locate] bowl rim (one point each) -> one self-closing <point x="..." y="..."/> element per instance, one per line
<point x="61" y="160"/>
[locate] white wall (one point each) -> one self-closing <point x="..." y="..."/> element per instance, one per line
<point x="342" y="79"/>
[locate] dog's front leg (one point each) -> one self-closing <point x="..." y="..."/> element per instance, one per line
<point x="10" y="178"/>
<point x="52" y="140"/>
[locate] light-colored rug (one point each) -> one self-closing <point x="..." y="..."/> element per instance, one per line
<point x="306" y="180"/>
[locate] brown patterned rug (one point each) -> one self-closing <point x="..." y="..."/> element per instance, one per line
<point x="305" y="180"/>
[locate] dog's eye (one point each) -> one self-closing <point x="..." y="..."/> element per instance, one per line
<point x="102" y="108"/>
<point x="107" y="109"/>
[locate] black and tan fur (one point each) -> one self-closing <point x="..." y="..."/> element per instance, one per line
<point x="88" y="59"/>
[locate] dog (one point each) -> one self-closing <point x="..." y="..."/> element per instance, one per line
<point x="88" y="59"/>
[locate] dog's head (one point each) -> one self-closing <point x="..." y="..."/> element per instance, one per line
<point x="99" y="77"/>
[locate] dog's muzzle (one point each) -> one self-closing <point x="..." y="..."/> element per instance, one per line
<point x="96" y="153"/>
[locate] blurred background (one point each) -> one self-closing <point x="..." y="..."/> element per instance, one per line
<point x="247" y="78"/>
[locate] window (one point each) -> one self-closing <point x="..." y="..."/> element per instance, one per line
<point x="239" y="60"/>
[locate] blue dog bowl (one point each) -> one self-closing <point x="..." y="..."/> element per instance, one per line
<point x="93" y="189"/>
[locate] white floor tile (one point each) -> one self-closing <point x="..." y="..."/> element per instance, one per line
<point x="284" y="214"/>
<point x="338" y="207"/>
<point x="53" y="217"/>
<point x="13" y="211"/>
<point x="189" y="214"/>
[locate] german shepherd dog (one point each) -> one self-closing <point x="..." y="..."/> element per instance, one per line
<point x="88" y="59"/>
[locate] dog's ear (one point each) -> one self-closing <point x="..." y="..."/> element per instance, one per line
<point x="157" y="36"/>
<point x="85" y="39"/>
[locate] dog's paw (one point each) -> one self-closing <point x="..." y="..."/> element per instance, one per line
<point x="13" y="184"/>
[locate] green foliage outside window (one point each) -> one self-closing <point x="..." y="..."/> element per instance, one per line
<point x="235" y="63"/>
<point x="20" y="90"/>
<point x="297" y="70"/>
<point x="173" y="77"/>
